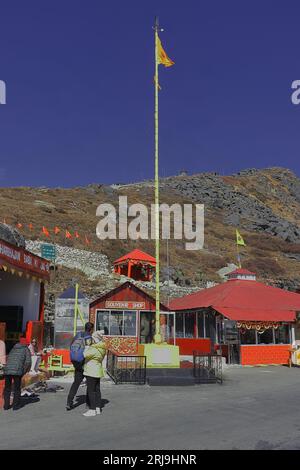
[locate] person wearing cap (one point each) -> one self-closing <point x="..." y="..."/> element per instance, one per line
<point x="94" y="354"/>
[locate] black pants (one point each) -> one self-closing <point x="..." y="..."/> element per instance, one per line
<point x="78" y="378"/>
<point x="93" y="392"/>
<point x="17" y="390"/>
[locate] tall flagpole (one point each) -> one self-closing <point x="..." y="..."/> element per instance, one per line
<point x="157" y="337"/>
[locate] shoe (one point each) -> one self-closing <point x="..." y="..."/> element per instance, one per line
<point x="5" y="408"/>
<point x="69" y="406"/>
<point x="16" y="408"/>
<point x="90" y="413"/>
<point x="98" y="411"/>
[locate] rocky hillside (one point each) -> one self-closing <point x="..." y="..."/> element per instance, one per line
<point x="263" y="204"/>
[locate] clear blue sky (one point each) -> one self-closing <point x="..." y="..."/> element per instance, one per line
<point x="79" y="79"/>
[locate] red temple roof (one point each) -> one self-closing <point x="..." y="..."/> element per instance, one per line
<point x="241" y="271"/>
<point x="244" y="300"/>
<point x="136" y="255"/>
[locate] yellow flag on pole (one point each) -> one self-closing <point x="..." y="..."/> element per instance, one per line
<point x="239" y="239"/>
<point x="162" y="55"/>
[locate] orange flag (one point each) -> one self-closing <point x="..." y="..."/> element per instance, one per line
<point x="76" y="235"/>
<point x="30" y="226"/>
<point x="68" y="235"/>
<point x="56" y="230"/>
<point x="162" y="55"/>
<point x="45" y="231"/>
<point x="19" y="225"/>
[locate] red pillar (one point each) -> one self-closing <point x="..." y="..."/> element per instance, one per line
<point x="129" y="269"/>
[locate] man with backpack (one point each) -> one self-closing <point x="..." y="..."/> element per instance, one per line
<point x="77" y="359"/>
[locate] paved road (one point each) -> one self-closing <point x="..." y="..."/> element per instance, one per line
<point x="256" y="408"/>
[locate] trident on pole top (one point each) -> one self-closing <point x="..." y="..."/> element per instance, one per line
<point x="156" y="26"/>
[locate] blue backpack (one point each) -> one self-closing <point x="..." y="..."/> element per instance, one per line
<point x="77" y="347"/>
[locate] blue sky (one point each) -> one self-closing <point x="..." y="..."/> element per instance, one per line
<point x="79" y="79"/>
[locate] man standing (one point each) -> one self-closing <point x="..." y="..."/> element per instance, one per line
<point x="18" y="364"/>
<point x="77" y="359"/>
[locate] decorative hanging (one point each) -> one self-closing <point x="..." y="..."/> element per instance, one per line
<point x="260" y="327"/>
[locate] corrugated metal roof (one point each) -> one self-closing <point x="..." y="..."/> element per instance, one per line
<point x="243" y="298"/>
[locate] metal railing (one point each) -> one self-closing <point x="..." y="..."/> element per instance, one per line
<point x="126" y="369"/>
<point x="207" y="368"/>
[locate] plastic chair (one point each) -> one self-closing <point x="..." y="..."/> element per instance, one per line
<point x="55" y="364"/>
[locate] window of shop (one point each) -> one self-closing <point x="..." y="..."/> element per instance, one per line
<point x="248" y="336"/>
<point x="207" y="325"/>
<point x="102" y="321"/>
<point x="267" y="337"/>
<point x="117" y="323"/>
<point x="189" y="324"/>
<point x="200" y="321"/>
<point x="193" y="325"/>
<point x="282" y="334"/>
<point x="179" y="325"/>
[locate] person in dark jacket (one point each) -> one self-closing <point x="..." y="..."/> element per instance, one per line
<point x="78" y="366"/>
<point x="18" y="364"/>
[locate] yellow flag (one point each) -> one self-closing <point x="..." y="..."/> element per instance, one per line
<point x="239" y="239"/>
<point x="162" y="56"/>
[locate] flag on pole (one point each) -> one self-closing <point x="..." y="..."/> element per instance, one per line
<point x="30" y="226"/>
<point x="87" y="241"/>
<point x="19" y="225"/>
<point x="56" y="230"/>
<point x="162" y="55"/>
<point x="76" y="234"/>
<point x="239" y="239"/>
<point x="68" y="235"/>
<point x="45" y="232"/>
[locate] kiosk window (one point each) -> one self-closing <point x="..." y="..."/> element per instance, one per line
<point x="117" y="323"/>
<point x="102" y="322"/>
<point x="129" y="323"/>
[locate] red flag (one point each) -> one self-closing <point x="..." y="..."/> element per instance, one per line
<point x="76" y="235"/>
<point x="56" y="230"/>
<point x="30" y="226"/>
<point x="68" y="235"/>
<point x="45" y="231"/>
<point x="87" y="241"/>
<point x="19" y="225"/>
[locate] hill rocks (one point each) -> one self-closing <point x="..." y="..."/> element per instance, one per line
<point x="263" y="204"/>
